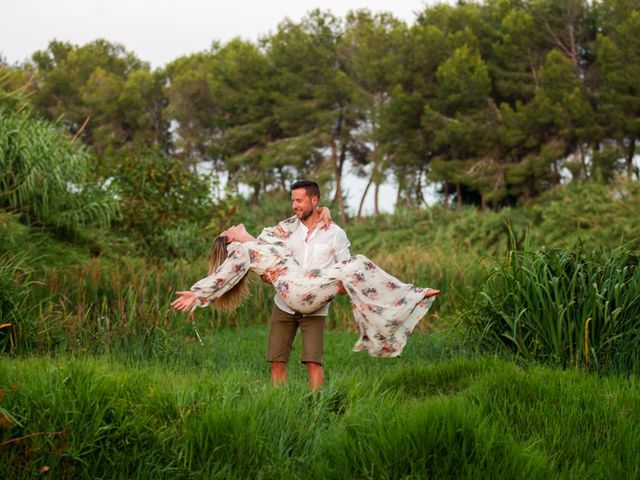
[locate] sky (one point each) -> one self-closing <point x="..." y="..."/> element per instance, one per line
<point x="159" y="31"/>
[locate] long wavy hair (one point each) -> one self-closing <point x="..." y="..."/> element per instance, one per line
<point x="232" y="299"/>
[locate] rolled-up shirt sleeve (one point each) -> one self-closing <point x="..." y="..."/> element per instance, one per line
<point x="341" y="246"/>
<point x="225" y="277"/>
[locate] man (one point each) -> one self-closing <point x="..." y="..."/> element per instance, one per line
<point x="313" y="246"/>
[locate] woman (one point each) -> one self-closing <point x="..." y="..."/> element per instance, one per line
<point x="385" y="309"/>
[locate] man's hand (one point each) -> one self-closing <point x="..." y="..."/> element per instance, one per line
<point x="324" y="217"/>
<point x="184" y="302"/>
<point x="270" y="276"/>
<point x="341" y="290"/>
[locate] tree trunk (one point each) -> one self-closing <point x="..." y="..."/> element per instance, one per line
<point x="459" y="194"/>
<point x="631" y="153"/>
<point x="338" y="162"/>
<point x="527" y="190"/>
<point x="283" y="184"/>
<point x="376" y="193"/>
<point x="339" y="165"/>
<point x="573" y="50"/>
<point x="583" y="159"/>
<point x="255" y="198"/>
<point x="446" y="195"/>
<point x="364" y="195"/>
<point x="336" y="169"/>
<point x="419" y="197"/>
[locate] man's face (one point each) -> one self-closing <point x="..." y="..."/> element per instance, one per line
<point x="303" y="205"/>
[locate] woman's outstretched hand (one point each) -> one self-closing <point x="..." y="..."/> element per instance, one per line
<point x="184" y="302"/>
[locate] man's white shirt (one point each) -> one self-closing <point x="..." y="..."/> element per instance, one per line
<point x="323" y="248"/>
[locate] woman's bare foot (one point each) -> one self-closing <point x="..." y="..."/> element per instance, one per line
<point x="387" y="348"/>
<point x="431" y="293"/>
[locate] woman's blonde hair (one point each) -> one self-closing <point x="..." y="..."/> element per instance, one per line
<point x="232" y="299"/>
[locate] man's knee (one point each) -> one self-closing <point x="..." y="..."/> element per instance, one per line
<point x="313" y="366"/>
<point x="282" y="331"/>
<point x="312" y="330"/>
<point x="278" y="372"/>
<point x="278" y="367"/>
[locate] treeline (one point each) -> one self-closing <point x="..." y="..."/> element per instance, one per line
<point x="495" y="101"/>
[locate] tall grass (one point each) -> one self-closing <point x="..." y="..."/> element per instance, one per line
<point x="211" y="413"/>
<point x="15" y="296"/>
<point x="566" y="307"/>
<point x="102" y="303"/>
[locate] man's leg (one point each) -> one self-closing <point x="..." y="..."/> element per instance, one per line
<point x="282" y="331"/>
<point x="316" y="375"/>
<point x="278" y="373"/>
<point x="312" y="330"/>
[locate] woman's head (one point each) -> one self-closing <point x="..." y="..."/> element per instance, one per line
<point x="232" y="299"/>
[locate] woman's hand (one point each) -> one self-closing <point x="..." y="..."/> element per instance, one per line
<point x="324" y="217"/>
<point x="184" y="302"/>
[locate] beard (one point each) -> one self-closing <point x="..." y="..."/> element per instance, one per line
<point x="305" y="214"/>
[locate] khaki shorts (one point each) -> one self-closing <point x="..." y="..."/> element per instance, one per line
<point x="282" y="331"/>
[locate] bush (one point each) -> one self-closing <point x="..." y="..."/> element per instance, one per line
<point x="566" y="307"/>
<point x="44" y="176"/>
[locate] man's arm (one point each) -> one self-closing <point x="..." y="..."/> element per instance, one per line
<point x="341" y="246"/>
<point x="341" y="252"/>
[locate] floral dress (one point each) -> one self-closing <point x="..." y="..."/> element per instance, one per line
<point x="385" y="309"/>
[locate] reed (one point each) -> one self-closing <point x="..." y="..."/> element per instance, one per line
<point x="15" y="299"/>
<point x="567" y="307"/>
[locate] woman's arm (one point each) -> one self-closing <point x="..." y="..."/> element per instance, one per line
<point x="218" y="283"/>
<point x="280" y="231"/>
<point x="237" y="233"/>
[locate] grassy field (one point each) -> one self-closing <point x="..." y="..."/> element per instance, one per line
<point x="191" y="411"/>
<point x="100" y="378"/>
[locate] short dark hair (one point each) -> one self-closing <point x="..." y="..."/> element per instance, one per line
<point x="311" y="187"/>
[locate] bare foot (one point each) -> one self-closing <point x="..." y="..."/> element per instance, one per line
<point x="431" y="293"/>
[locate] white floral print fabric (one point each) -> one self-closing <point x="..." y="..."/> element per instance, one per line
<point x="385" y="309"/>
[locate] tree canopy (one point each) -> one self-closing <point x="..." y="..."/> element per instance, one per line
<point x="494" y="102"/>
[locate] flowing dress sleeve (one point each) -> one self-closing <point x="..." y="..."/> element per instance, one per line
<point x="225" y="277"/>
<point x="280" y="232"/>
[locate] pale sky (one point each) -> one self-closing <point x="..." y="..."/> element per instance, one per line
<point x="159" y="31"/>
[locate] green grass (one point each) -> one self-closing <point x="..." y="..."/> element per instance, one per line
<point x="192" y="411"/>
